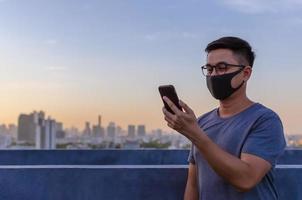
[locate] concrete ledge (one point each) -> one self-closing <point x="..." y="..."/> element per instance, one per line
<point x="94" y="157"/>
<point x="131" y="182"/>
<point x="289" y="182"/>
<point x="90" y="184"/>
<point x="291" y="156"/>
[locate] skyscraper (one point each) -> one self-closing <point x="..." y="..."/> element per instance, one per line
<point x="35" y="129"/>
<point x="98" y="130"/>
<point x="28" y="127"/>
<point x="131" y="131"/>
<point x="100" y="121"/>
<point x="111" y="130"/>
<point x="60" y="133"/>
<point x="87" y="130"/>
<point x="12" y="130"/>
<point x="47" y="138"/>
<point x="141" y="131"/>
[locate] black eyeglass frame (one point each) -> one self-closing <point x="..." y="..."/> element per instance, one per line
<point x="204" y="67"/>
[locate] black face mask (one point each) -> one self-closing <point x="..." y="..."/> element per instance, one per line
<point x="220" y="86"/>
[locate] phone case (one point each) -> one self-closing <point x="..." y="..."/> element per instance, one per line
<point x="170" y="92"/>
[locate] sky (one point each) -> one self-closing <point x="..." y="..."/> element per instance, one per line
<point x="81" y="58"/>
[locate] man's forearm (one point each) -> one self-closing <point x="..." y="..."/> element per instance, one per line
<point x="229" y="167"/>
<point x="191" y="193"/>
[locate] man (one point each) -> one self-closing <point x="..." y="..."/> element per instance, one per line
<point x="234" y="147"/>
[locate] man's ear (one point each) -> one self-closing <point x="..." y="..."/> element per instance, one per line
<point x="247" y="72"/>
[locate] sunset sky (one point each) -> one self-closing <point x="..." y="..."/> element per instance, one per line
<point x="81" y="58"/>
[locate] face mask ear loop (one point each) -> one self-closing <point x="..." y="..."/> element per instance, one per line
<point x="242" y="81"/>
<point x="240" y="85"/>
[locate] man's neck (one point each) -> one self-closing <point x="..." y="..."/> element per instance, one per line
<point x="232" y="106"/>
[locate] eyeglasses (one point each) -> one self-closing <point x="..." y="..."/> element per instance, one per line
<point x="220" y="68"/>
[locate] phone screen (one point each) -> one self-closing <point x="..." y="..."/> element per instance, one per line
<point x="170" y="92"/>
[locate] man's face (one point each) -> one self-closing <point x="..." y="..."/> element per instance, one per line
<point x="227" y="56"/>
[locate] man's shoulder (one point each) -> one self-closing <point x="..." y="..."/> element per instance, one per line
<point x="266" y="119"/>
<point x="208" y="115"/>
<point x="266" y="113"/>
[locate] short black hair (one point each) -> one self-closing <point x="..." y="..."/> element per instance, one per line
<point x="239" y="47"/>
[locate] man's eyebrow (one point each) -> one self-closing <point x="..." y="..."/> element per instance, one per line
<point x="217" y="63"/>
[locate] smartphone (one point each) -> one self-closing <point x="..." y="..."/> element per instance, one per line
<point x="170" y="92"/>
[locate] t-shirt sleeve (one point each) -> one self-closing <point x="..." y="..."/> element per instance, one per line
<point x="266" y="138"/>
<point x="191" y="158"/>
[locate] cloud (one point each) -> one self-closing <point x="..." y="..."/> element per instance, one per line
<point x="263" y="6"/>
<point x="170" y="36"/>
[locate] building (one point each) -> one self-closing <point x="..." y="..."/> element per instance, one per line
<point x="111" y="130"/>
<point x="98" y="130"/>
<point x="87" y="131"/>
<point x="37" y="131"/>
<point x="131" y="131"/>
<point x="28" y="127"/>
<point x="12" y="130"/>
<point x="141" y="131"/>
<point x="47" y="137"/>
<point x="60" y="133"/>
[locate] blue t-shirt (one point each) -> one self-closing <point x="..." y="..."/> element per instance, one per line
<point x="257" y="131"/>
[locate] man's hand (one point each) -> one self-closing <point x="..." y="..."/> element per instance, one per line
<point x="183" y="122"/>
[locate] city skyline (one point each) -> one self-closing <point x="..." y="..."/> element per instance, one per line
<point x="88" y="124"/>
<point x="36" y="130"/>
<point x="75" y="61"/>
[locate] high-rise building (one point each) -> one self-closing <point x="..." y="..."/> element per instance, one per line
<point x="87" y="130"/>
<point x="100" y="121"/>
<point x="159" y="133"/>
<point x="12" y="130"/>
<point x="28" y="127"/>
<point x="60" y="133"/>
<point x="98" y="130"/>
<point x="111" y="130"/>
<point x="3" y="129"/>
<point x="131" y="131"/>
<point x="141" y="131"/>
<point x="47" y="138"/>
<point x="35" y="129"/>
<point x="118" y="131"/>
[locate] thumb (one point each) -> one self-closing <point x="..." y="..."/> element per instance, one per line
<point x="186" y="107"/>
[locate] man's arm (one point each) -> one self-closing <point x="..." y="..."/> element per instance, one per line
<point x="243" y="173"/>
<point x="191" y="192"/>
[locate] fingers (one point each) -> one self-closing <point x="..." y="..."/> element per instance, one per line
<point x="173" y="125"/>
<point x="170" y="125"/>
<point x="172" y="105"/>
<point x="171" y="120"/>
<point x="185" y="107"/>
<point x="168" y="114"/>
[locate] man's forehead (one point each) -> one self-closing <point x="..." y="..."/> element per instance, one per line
<point x="221" y="55"/>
